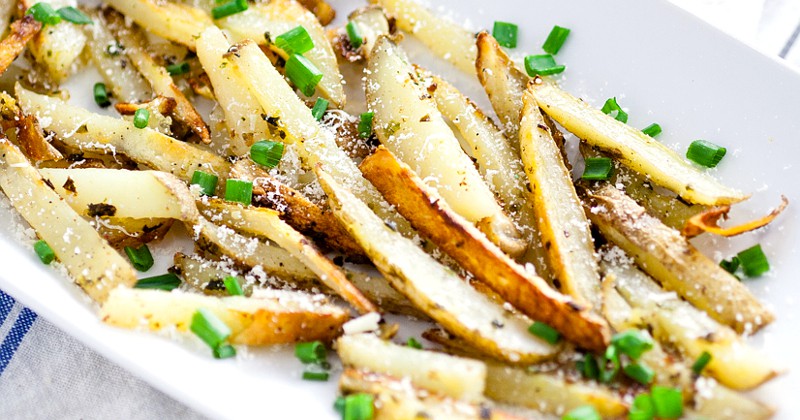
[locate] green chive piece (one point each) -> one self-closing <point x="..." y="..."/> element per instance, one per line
<point x="338" y="405"/>
<point x="413" y="343"/>
<point x="224" y="351"/>
<point x="267" y="153"/>
<point x="295" y="41"/>
<point x="239" y="191"/>
<point x="72" y="14"/>
<point x="44" y="252"/>
<point x="667" y="402"/>
<point x="545" y="332"/>
<point x="701" y="362"/>
<point x="652" y="130"/>
<point x="597" y="169"/>
<point x="611" y="106"/>
<point x="206" y="181"/>
<point x="312" y="375"/>
<point x="639" y="373"/>
<point x="705" y="153"/>
<point x="555" y="40"/>
<point x="632" y="342"/>
<point x="588" y="367"/>
<point x="354" y="35"/>
<point x="141" y="258"/>
<point x="178" y="69"/>
<point x="232" y="286"/>
<point x="359" y="407"/>
<point x="319" y="108"/>
<point x="730" y="265"/>
<point x="230" y="8"/>
<point x="642" y="408"/>
<point x="584" y="412"/>
<point x="311" y="352"/>
<point x="141" y="118"/>
<point x="505" y="33"/>
<point x="166" y="282"/>
<point x="209" y="328"/>
<point x="542" y="65"/>
<point x="303" y="74"/>
<point x="611" y="356"/>
<point x="754" y="262"/>
<point x="101" y="95"/>
<point x="44" y="12"/>
<point x="365" y="125"/>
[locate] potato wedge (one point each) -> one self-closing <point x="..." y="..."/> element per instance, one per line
<point x="454" y="235"/>
<point x="445" y="38"/>
<point x="434" y="288"/>
<point x="91" y="262"/>
<point x="451" y="376"/>
<point x="668" y="257"/>
<point x="176" y="22"/>
<point x="276" y="317"/>
<point x="632" y="148"/>
<point x="279" y="16"/>
<point x="22" y="31"/>
<point x="32" y="142"/>
<point x="58" y="47"/>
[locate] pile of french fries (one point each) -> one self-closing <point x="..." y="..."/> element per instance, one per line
<point x="438" y="213"/>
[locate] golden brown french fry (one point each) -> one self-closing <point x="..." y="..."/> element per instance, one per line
<point x="176" y="22"/>
<point x="434" y="219"/>
<point x="32" y="142"/>
<point x="22" y="31"/>
<point x="668" y="257"/>
<point x="708" y="220"/>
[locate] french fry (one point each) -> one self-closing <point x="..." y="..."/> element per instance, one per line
<point x="724" y="404"/>
<point x="58" y="48"/>
<point x="22" y="31"/>
<point x="176" y="22"/>
<point x="321" y="9"/>
<point x="434" y="219"/>
<point x="32" y="142"/>
<point x="205" y="275"/>
<point x="668" y="257"/>
<point x="277" y="317"/>
<point x="7" y="10"/>
<point x="120" y="232"/>
<point x="432" y="287"/>
<point x="371" y="23"/>
<point x="91" y="262"/>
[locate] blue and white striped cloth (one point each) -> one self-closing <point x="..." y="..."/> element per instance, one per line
<point x="46" y="374"/>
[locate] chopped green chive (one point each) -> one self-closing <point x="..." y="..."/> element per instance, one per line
<point x="505" y="33"/>
<point x="267" y="153"/>
<point x="730" y="265"/>
<point x="754" y="262"/>
<point x="319" y="108"/>
<point x="209" y="328"/>
<point x="632" y="342"/>
<point x="206" y="181"/>
<point x="652" y="130"/>
<point x="701" y="362"/>
<point x="224" y="351"/>
<point x="303" y="73"/>
<point x="239" y="191"/>
<point x="72" y="14"/>
<point x="639" y="373"/>
<point x="166" y="282"/>
<point x="612" y="107"/>
<point x="141" y="258"/>
<point x="365" y="125"/>
<point x="178" y="69"/>
<point x="642" y="408"/>
<point x="545" y="332"/>
<point x="338" y="405"/>
<point x="312" y="352"/>
<point x="542" y="65"/>
<point x="44" y="13"/>
<point x="705" y="153"/>
<point x="312" y="375"/>
<point x="667" y="402"/>
<point x="611" y="356"/>
<point x="597" y="169"/>
<point x="295" y="41"/>
<point x="585" y="412"/>
<point x="413" y="343"/>
<point x="232" y="286"/>
<point x="44" y="252"/>
<point x="588" y="367"/>
<point x="141" y="118"/>
<point x="359" y="407"/>
<point x="101" y="95"/>
<point x="555" y="40"/>
<point x="230" y="8"/>
<point x="354" y="35"/>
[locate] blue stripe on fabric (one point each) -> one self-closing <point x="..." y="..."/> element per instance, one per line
<point x="14" y="337"/>
<point x="6" y="303"/>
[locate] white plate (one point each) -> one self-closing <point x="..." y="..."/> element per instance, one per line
<point x="662" y="64"/>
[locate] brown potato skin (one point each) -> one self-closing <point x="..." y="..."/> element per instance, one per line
<point x="12" y="46"/>
<point x="459" y="239"/>
<point x="267" y="327"/>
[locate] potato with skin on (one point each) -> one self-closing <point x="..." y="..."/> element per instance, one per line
<point x="671" y="260"/>
<point x="561" y="220"/>
<point x="57" y="48"/>
<point x="275" y="317"/>
<point x="120" y="232"/>
<point x="371" y="23"/>
<point x="32" y="142"/>
<point x="324" y="12"/>
<point x="454" y="235"/>
<point x="176" y="22"/>
<point x="22" y="31"/>
<point x="408" y="123"/>
<point x="434" y="288"/>
<point x="91" y="262"/>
